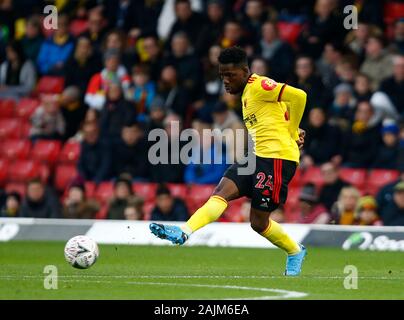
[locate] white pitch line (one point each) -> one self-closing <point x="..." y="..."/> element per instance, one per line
<point x="197" y="277"/>
<point x="286" y="293"/>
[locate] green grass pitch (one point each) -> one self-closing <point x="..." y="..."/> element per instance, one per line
<point x="151" y="272"/>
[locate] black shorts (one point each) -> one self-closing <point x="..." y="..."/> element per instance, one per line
<point x="268" y="186"/>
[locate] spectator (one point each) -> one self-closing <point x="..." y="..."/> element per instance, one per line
<point x="76" y="206"/>
<point x="208" y="163"/>
<point x="362" y="90"/>
<point x="115" y="113"/>
<point x="310" y="210"/>
<point x="385" y="194"/>
<point x="317" y="146"/>
<point x="82" y="65"/>
<point x="47" y="120"/>
<point x="17" y="74"/>
<point x="366" y="212"/>
<point x="134" y="209"/>
<point x="212" y="28"/>
<point x="343" y="211"/>
<point x="32" y="40"/>
<point x="157" y="114"/>
<point x="186" y="63"/>
<point x="307" y="80"/>
<point x="73" y="110"/>
<point x="342" y="110"/>
<point x="232" y="129"/>
<point x="233" y="36"/>
<point x="259" y="66"/>
<point x="113" y="72"/>
<point x="377" y="65"/>
<point x="362" y="140"/>
<point x="170" y="168"/>
<point x="332" y="56"/>
<point x="40" y="202"/>
<point x="116" y="40"/>
<point x="324" y="26"/>
<point x="356" y="39"/>
<point x="332" y="185"/>
<point x="387" y="155"/>
<point x="150" y="53"/>
<point x="56" y="50"/>
<point x="393" y="87"/>
<point x="130" y="153"/>
<point x="95" y="155"/>
<point x="397" y="45"/>
<point x="168" y="208"/>
<point x="12" y="206"/>
<point x="142" y="92"/>
<point x="186" y="21"/>
<point x="213" y="84"/>
<point x="393" y="213"/>
<point x="278" y="54"/>
<point x="176" y="98"/>
<point x="123" y="194"/>
<point x="254" y="16"/>
<point x="96" y="29"/>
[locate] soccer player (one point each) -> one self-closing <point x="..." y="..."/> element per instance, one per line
<point x="272" y="112"/>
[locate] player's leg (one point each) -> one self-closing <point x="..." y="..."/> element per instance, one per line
<point x="224" y="192"/>
<point x="227" y="190"/>
<point x="269" y="191"/>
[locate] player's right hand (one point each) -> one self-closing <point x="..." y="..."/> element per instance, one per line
<point x="300" y="142"/>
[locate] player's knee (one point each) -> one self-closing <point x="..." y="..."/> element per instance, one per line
<point x="258" y="225"/>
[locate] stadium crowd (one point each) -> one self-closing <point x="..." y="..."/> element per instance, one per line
<point x="77" y="104"/>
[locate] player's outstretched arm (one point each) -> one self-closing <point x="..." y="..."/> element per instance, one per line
<point x="296" y="100"/>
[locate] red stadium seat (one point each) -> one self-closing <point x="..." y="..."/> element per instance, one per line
<point x="378" y="178"/>
<point x="46" y="150"/>
<point x="78" y="26"/>
<point x="289" y="31"/>
<point x="102" y="214"/>
<point x="145" y="190"/>
<point x="3" y="171"/>
<point x="104" y="192"/>
<point x="70" y="152"/>
<point x="16" y="187"/>
<point x="7" y="107"/>
<point x="198" y="194"/>
<point x="147" y="209"/>
<point x="178" y="190"/>
<point x="297" y="179"/>
<point x="233" y="212"/>
<point x="26" y="107"/>
<point x="64" y="175"/>
<point x="355" y="177"/>
<point x="44" y="172"/>
<point x="25" y="129"/>
<point x="50" y="84"/>
<point x="393" y="11"/>
<point x="313" y="175"/>
<point x="10" y="128"/>
<point x="89" y="188"/>
<point x="23" y="170"/>
<point x="15" y="149"/>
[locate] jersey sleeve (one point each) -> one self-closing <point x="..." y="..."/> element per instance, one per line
<point x="267" y="89"/>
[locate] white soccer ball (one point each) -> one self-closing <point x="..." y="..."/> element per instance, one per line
<point x="81" y="252"/>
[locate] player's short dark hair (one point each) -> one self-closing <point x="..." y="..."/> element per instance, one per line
<point x="234" y="55"/>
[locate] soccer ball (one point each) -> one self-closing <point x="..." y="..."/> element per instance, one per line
<point x="81" y="252"/>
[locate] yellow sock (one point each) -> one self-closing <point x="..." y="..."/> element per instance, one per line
<point x="275" y="233"/>
<point x="209" y="212"/>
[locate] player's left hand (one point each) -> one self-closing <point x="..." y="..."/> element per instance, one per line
<point x="300" y="142"/>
